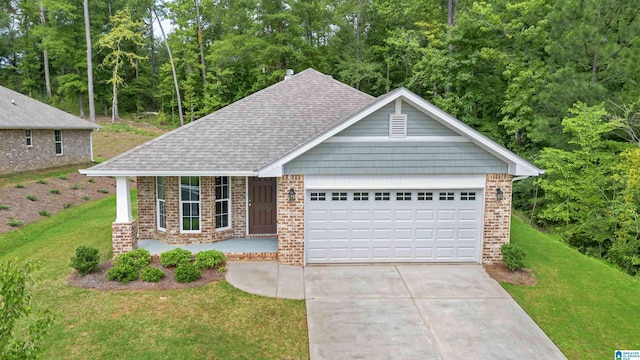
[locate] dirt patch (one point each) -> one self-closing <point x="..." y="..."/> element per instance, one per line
<point x="501" y="273"/>
<point x="98" y="279"/>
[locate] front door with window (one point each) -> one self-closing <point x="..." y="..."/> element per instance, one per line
<point x="262" y="206"/>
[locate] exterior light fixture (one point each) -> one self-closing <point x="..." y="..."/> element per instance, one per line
<point x="499" y="194"/>
<point x="292" y="194"/>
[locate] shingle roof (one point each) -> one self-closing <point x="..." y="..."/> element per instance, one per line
<point x="250" y="133"/>
<point x="19" y="111"/>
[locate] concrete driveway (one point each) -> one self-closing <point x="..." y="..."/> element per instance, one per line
<point x="417" y="312"/>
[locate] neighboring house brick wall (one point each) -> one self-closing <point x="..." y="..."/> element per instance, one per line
<point x="291" y="220"/>
<point x="147" y="211"/>
<point x="497" y="217"/>
<point x="16" y="156"/>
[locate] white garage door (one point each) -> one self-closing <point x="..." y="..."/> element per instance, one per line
<point x="353" y="226"/>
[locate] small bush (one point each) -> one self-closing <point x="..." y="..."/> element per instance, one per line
<point x="123" y="273"/>
<point x="14" y="223"/>
<point x="151" y="274"/>
<point x="103" y="191"/>
<point x="85" y="198"/>
<point x="175" y="257"/>
<point x="62" y="177"/>
<point x="41" y="181"/>
<point x="44" y="213"/>
<point x="513" y="255"/>
<point x="19" y="186"/>
<point x="209" y="259"/>
<point x="137" y="259"/>
<point x="67" y="205"/>
<point x="75" y="187"/>
<point x="186" y="273"/>
<point x="4" y="207"/>
<point x="30" y="197"/>
<point x="90" y="180"/>
<point x="55" y="191"/>
<point x="86" y="260"/>
<point x="222" y="269"/>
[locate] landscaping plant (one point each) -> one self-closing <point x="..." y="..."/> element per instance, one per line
<point x="186" y="273"/>
<point x="151" y="274"/>
<point x="86" y="260"/>
<point x="175" y="257"/>
<point x="209" y="259"/>
<point x="513" y="255"/>
<point x="138" y="259"/>
<point x="123" y="273"/>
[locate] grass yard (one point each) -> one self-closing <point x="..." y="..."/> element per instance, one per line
<point x="215" y="321"/>
<point x="586" y="307"/>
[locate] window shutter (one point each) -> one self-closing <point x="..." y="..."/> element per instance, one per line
<point x="398" y="125"/>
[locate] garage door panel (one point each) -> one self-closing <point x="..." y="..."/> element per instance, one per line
<point x="402" y="226"/>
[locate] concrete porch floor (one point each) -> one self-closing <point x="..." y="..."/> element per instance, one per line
<point x="231" y="246"/>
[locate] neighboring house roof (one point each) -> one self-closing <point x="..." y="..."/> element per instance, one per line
<point x="260" y="133"/>
<point x="18" y="111"/>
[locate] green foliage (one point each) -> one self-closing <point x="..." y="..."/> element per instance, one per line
<point x="86" y="260"/>
<point x="14" y="223"/>
<point x="123" y="273"/>
<point x="4" y="207"/>
<point x="175" y="257"/>
<point x="62" y="177"/>
<point x="103" y="191"/>
<point x="19" y="186"/>
<point x="21" y="331"/>
<point x="151" y="274"/>
<point x="137" y="259"/>
<point x="91" y="180"/>
<point x="209" y="259"/>
<point x="44" y="213"/>
<point x="55" y="191"/>
<point x="85" y="198"/>
<point x="31" y="197"/>
<point x="186" y="273"/>
<point x="75" y="187"/>
<point x="41" y="181"/>
<point x="67" y="205"/>
<point x="513" y="255"/>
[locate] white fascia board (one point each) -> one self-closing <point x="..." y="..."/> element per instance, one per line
<point x="342" y="139"/>
<point x="98" y="172"/>
<point x="401" y="182"/>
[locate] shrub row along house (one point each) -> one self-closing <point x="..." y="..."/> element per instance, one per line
<point x="36" y="135"/>
<point x="337" y="176"/>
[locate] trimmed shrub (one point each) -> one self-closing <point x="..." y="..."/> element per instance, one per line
<point x="186" y="273"/>
<point x="41" y="181"/>
<point x="175" y="257"/>
<point x="55" y="191"/>
<point x="86" y="260"/>
<point x="30" y="197"/>
<point x="123" y="274"/>
<point x="19" y="186"/>
<point x="151" y="274"/>
<point x="14" y="223"/>
<point x="44" y="213"/>
<point x="4" y="207"/>
<point x="85" y="198"/>
<point x="513" y="255"/>
<point x="137" y="258"/>
<point x="103" y="191"/>
<point x="209" y="259"/>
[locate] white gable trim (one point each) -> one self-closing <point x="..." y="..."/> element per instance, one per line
<point x="90" y="172"/>
<point x="517" y="165"/>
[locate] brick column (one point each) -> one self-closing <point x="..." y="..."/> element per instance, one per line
<point x="291" y="220"/>
<point x="124" y="237"/>
<point x="497" y="217"/>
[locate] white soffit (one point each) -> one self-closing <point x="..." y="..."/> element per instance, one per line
<point x="374" y="182"/>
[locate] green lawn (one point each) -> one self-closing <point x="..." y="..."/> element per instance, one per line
<point x="586" y="307"/>
<point x="215" y="321"/>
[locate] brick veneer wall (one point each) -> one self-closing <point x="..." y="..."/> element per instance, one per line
<point x="172" y="235"/>
<point x="16" y="156"/>
<point x="291" y="220"/>
<point x="124" y="237"/>
<point x="497" y="217"/>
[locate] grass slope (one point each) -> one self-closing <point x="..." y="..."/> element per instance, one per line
<point x="586" y="307"/>
<point x="215" y="321"/>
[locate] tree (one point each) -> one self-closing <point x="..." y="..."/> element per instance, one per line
<point x="125" y="31"/>
<point x="16" y="300"/>
<point x="87" y="31"/>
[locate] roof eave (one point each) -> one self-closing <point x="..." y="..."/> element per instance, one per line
<point x="100" y="172"/>
<point x="39" y="127"/>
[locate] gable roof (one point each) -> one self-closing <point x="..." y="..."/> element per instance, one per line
<point x="246" y="135"/>
<point x="18" y="111"/>
<point x="257" y="135"/>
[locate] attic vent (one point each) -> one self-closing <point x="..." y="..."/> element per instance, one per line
<point x="398" y="125"/>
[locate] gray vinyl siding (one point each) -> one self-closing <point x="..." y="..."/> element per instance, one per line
<point x="377" y="124"/>
<point x="389" y="158"/>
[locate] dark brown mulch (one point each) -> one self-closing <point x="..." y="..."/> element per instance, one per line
<point x="98" y="279"/>
<point x="501" y="273"/>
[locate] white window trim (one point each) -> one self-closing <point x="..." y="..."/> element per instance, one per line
<point x="228" y="227"/>
<point x="56" y="142"/>
<point x="29" y="137"/>
<point x="199" y="202"/>
<point x="158" y="201"/>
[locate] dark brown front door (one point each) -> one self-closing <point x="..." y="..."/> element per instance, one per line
<point x="262" y="205"/>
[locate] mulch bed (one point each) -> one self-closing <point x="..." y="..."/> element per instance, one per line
<point x="98" y="279"/>
<point x="501" y="273"/>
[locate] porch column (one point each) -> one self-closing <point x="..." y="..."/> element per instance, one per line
<point x="291" y="220"/>
<point x="124" y="230"/>
<point x="497" y="216"/>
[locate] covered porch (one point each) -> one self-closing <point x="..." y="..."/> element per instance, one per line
<point x="234" y="249"/>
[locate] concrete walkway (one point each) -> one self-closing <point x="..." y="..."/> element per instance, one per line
<point x="236" y="245"/>
<point x="402" y="311"/>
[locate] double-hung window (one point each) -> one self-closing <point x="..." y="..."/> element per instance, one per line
<point x="58" y="141"/>
<point x="223" y="202"/>
<point x="29" y="136"/>
<point x="190" y="204"/>
<point x="161" y="203"/>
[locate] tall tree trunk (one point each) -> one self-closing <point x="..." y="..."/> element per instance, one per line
<point x="153" y="47"/>
<point x="114" y="104"/>
<point x="173" y="68"/>
<point x="81" y="102"/>
<point x="45" y="55"/>
<point x="358" y="20"/>
<point x="204" y="71"/>
<point x="451" y="22"/>
<point x="87" y="32"/>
